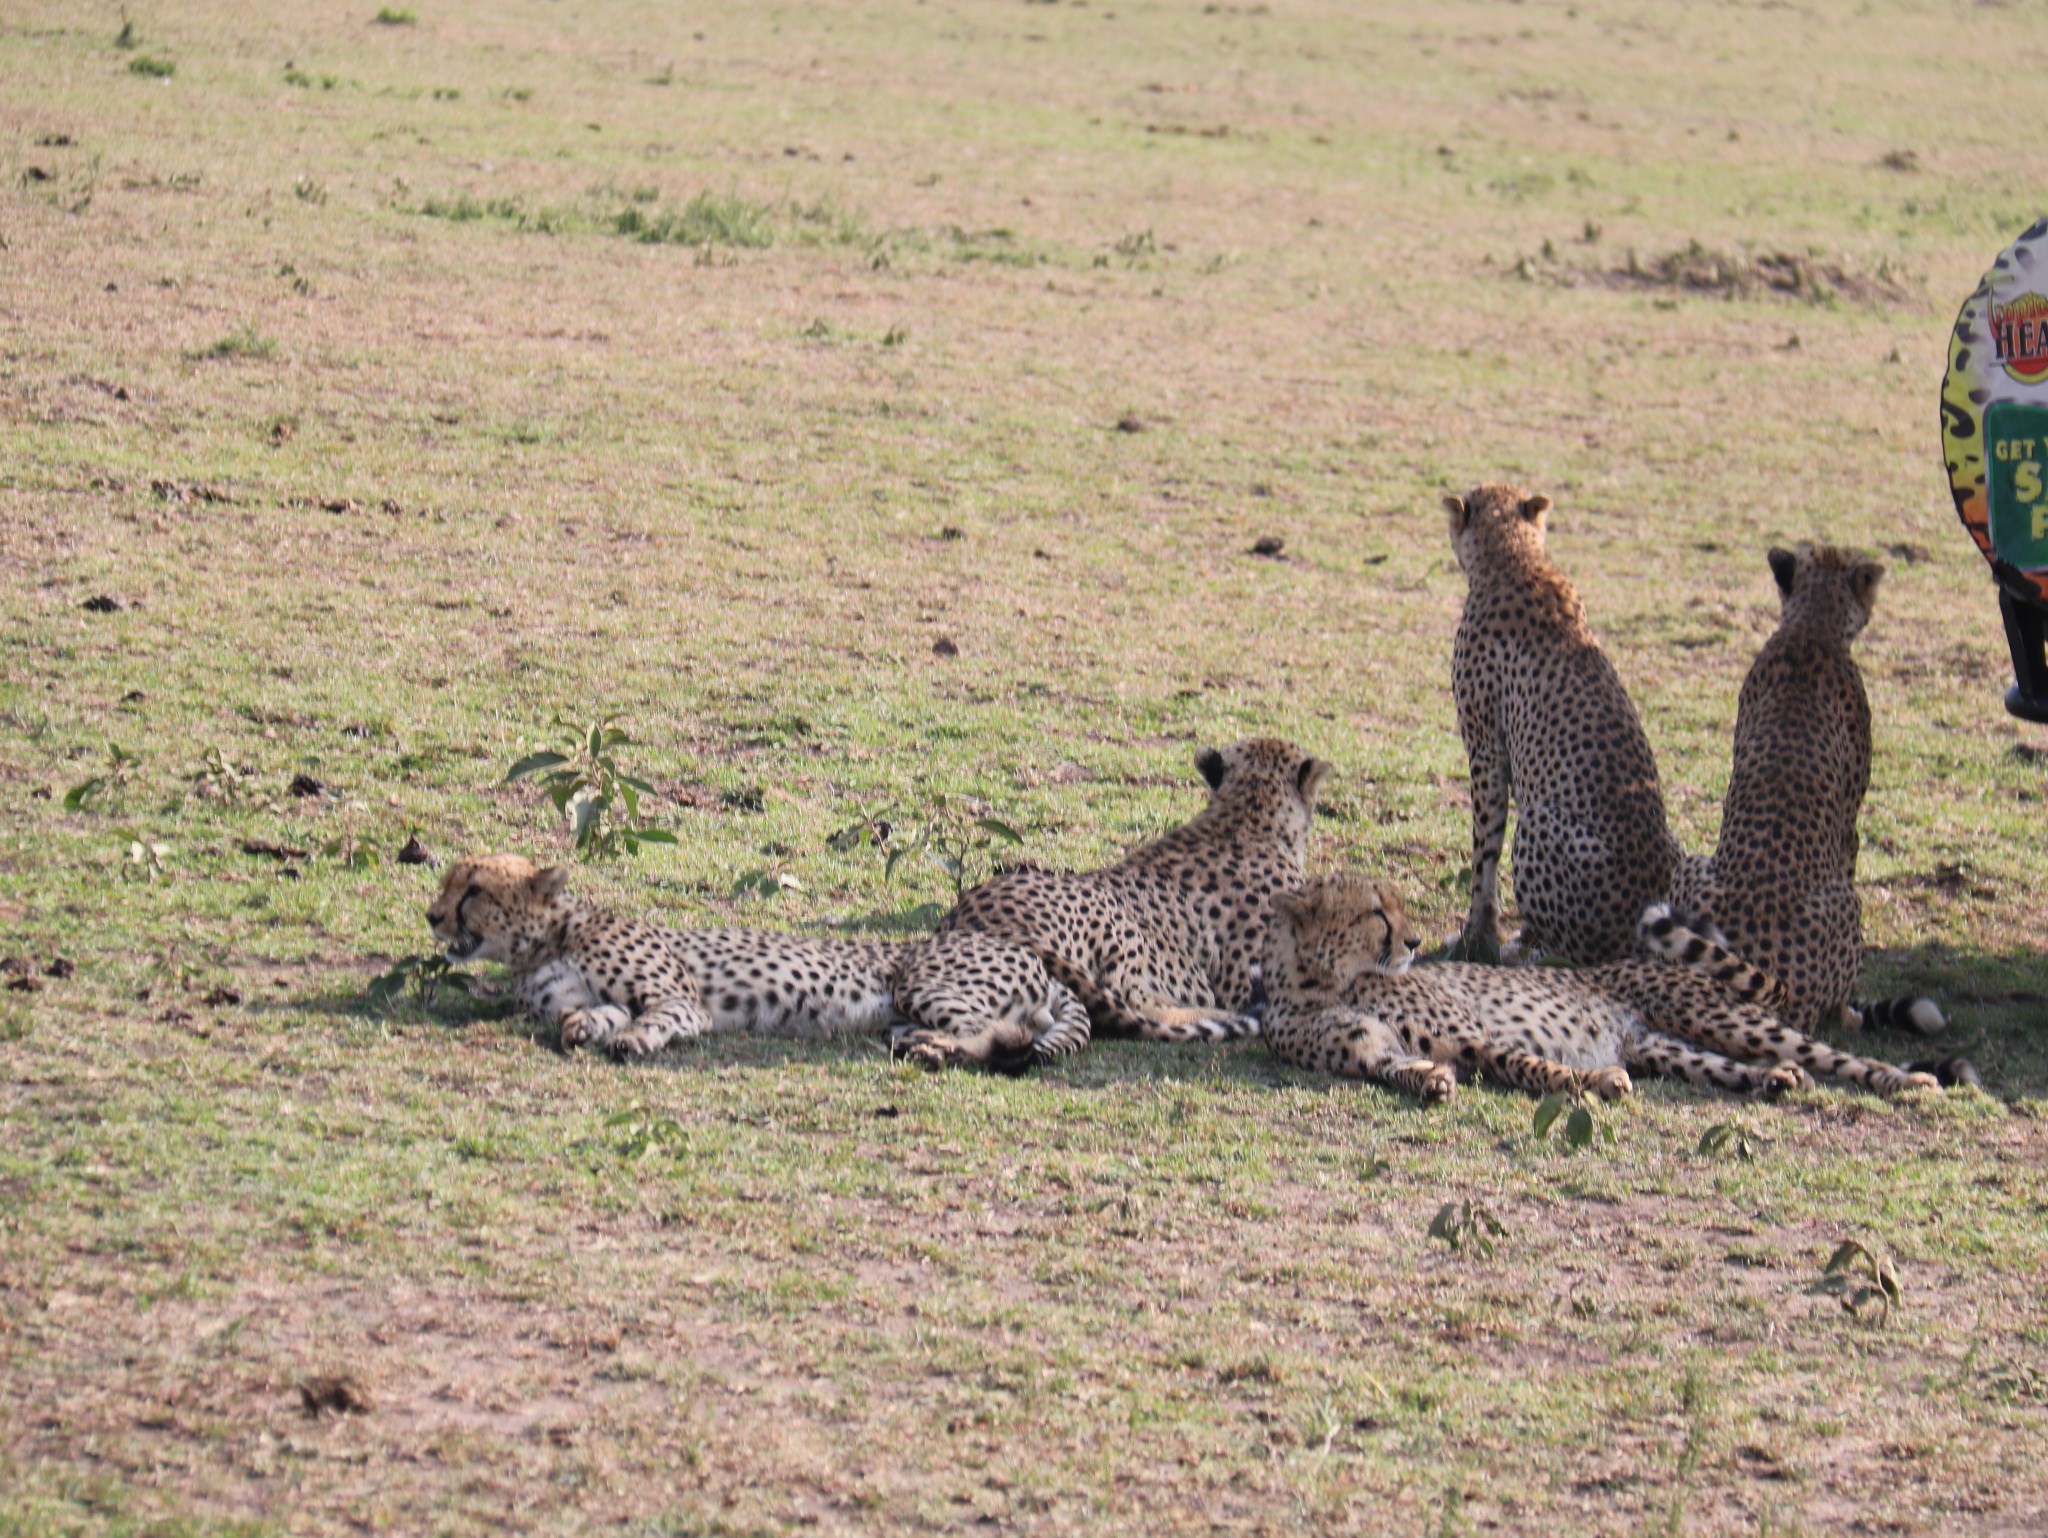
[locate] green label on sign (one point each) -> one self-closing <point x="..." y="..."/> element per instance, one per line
<point x="2016" y="445"/>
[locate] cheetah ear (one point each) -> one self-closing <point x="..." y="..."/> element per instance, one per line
<point x="1455" y="506"/>
<point x="549" y="883"/>
<point x="1783" y="564"/>
<point x="1863" y="581"/>
<point x="1210" y="762"/>
<point x="1309" y="778"/>
<point x="1536" y="510"/>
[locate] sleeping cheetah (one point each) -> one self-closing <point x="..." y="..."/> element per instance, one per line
<point x="1345" y="1001"/>
<point x="1546" y="720"/>
<point x="1782" y="881"/>
<point x="1163" y="943"/>
<point x="632" y="988"/>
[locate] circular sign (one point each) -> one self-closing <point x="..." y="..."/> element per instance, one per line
<point x="1994" y="416"/>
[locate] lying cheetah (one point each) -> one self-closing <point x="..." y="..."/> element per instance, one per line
<point x="1345" y="1001"/>
<point x="1782" y="881"/>
<point x="632" y="987"/>
<point x="1546" y="720"/>
<point x="1163" y="943"/>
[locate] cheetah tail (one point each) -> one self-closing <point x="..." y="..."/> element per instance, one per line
<point x="1920" y="1017"/>
<point x="1950" y="1072"/>
<point x="1677" y="938"/>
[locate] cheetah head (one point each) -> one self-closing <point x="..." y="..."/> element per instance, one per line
<point x="1263" y="783"/>
<point x="1828" y="587"/>
<point x="497" y="907"/>
<point x="1493" y="516"/>
<point x="1337" y="928"/>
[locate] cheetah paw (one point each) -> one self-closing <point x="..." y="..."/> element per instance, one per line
<point x="1438" y="1082"/>
<point x="1610" y="1083"/>
<point x="1918" y="1081"/>
<point x="1783" y="1079"/>
<point x="928" y="1050"/>
<point x="593" y="1027"/>
<point x="635" y="1042"/>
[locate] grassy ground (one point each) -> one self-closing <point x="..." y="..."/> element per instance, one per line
<point x="344" y="357"/>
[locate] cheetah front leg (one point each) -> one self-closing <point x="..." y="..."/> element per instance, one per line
<point x="670" y="1020"/>
<point x="1655" y="1052"/>
<point x="558" y="994"/>
<point x="1362" y="1046"/>
<point x="1491" y="787"/>
<point x="1540" y="1076"/>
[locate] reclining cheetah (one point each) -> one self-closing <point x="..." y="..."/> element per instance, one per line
<point x="1163" y="943"/>
<point x="1344" y="1001"/>
<point x="632" y="988"/>
<point x="1545" y="718"/>
<point x="1782" y="882"/>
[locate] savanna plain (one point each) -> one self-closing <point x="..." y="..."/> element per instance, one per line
<point x="874" y="409"/>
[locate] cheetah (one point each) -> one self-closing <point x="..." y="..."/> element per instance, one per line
<point x="631" y="988"/>
<point x="1163" y="943"/>
<point x="1546" y="721"/>
<point x="1781" y="883"/>
<point x="1345" y="1000"/>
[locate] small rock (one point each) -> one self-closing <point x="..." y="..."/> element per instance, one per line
<point x="60" y="967"/>
<point x="263" y="847"/>
<point x="341" y="1394"/>
<point x="306" y="785"/>
<point x="26" y="983"/>
<point x="414" y="852"/>
<point x="944" y="647"/>
<point x="133" y="697"/>
<point x="1130" y="422"/>
<point x="220" y="997"/>
<point x="102" y="604"/>
<point x="1269" y="546"/>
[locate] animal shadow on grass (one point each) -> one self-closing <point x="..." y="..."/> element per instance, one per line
<point x="1997" y="1006"/>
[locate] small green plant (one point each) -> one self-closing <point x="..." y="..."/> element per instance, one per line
<point x="1468" y="1223"/>
<point x="706" y="220"/>
<point x="152" y="66"/>
<point x="418" y="977"/>
<point x="145" y="861"/>
<point x="1858" y="1277"/>
<point x="600" y="800"/>
<point x="765" y="883"/>
<point x="310" y="189"/>
<point x="396" y="16"/>
<point x="350" y="855"/>
<point x="1731" y="1139"/>
<point x="643" y="1133"/>
<point x="127" y="37"/>
<point x="120" y="768"/>
<point x="945" y="831"/>
<point x="1581" y="1127"/>
<point x="244" y="342"/>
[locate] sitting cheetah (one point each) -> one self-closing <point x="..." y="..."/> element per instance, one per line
<point x="1163" y="943"/>
<point x="1345" y="1001"/>
<point x="1545" y="718"/>
<point x="632" y="988"/>
<point x="1782" y="882"/>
